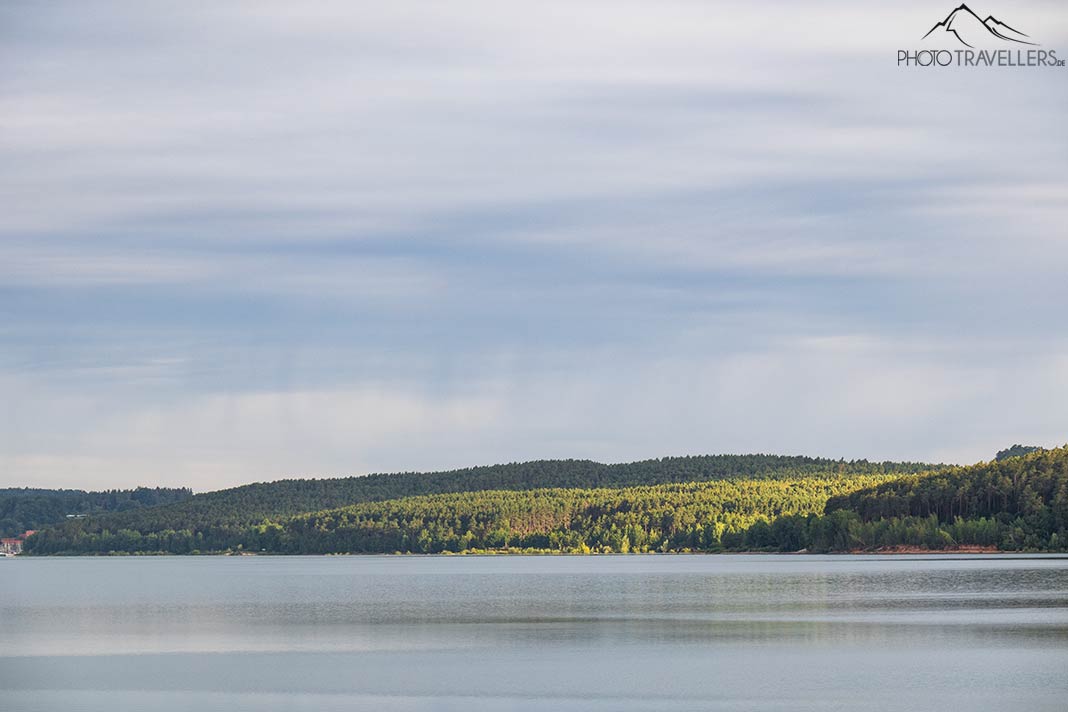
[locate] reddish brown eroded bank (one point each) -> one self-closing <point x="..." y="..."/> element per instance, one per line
<point x="902" y="549"/>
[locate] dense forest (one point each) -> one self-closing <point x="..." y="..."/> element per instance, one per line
<point x="1016" y="451"/>
<point x="23" y="509"/>
<point x="221" y="515"/>
<point x="779" y="504"/>
<point x="675" y="517"/>
<point x="1014" y="503"/>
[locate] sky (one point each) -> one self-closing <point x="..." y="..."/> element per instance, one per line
<point x="247" y="241"/>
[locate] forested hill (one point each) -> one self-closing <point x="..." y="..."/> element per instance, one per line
<point x="693" y="516"/>
<point x="1019" y="503"/>
<point x="1016" y="504"/>
<point x="1034" y="485"/>
<point x="24" y="508"/>
<point x="251" y="504"/>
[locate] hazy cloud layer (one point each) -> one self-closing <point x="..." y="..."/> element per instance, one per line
<point x="242" y="241"/>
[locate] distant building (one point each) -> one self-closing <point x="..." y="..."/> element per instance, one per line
<point x="13" y="545"/>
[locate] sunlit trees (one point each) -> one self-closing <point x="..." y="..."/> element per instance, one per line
<point x="1019" y="503"/>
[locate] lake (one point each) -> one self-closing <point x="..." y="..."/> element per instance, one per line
<point x="534" y="633"/>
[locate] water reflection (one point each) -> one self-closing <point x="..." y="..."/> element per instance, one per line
<point x="752" y="632"/>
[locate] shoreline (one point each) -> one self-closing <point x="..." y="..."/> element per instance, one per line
<point x="885" y="551"/>
<point x="903" y="549"/>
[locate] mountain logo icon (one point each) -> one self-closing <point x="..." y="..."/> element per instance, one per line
<point x="970" y="30"/>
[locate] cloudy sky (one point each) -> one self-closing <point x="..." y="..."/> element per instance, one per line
<point x="245" y="241"/>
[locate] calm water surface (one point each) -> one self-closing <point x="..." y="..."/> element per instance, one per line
<point x="534" y="633"/>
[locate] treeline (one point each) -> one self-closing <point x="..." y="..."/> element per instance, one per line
<point x="215" y="518"/>
<point x="697" y="516"/>
<point x="1018" y="503"/>
<point x="22" y="509"/>
<point x="1033" y="486"/>
<point x="1016" y="451"/>
<point x="1013" y="503"/>
<point x="842" y="530"/>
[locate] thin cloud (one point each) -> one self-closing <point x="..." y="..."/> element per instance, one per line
<point x="597" y="229"/>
